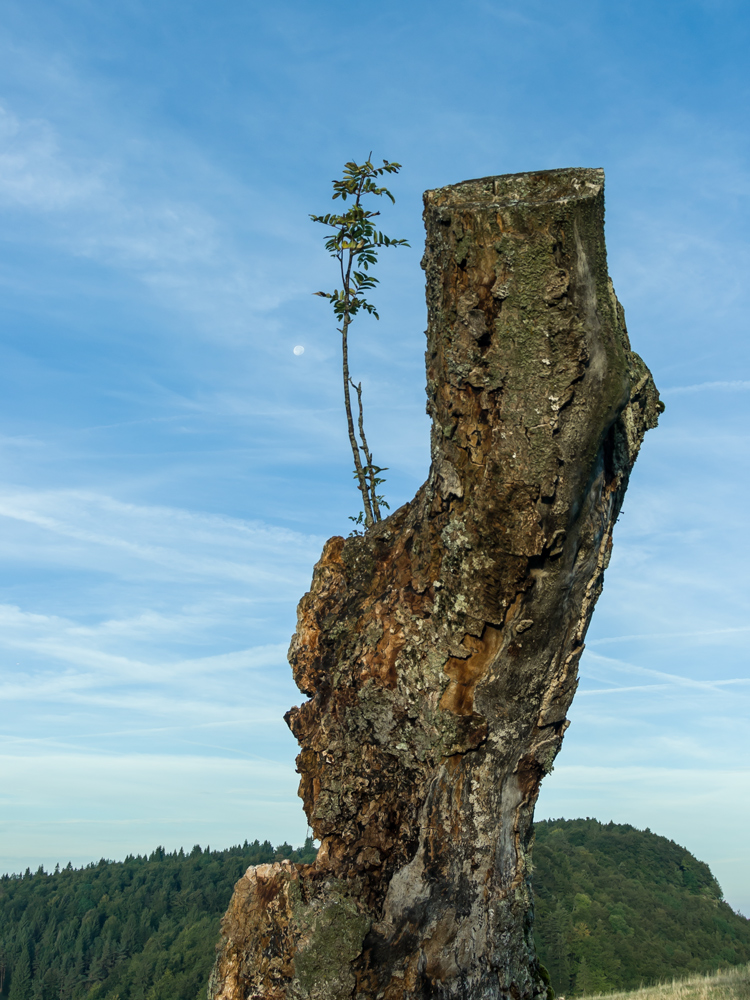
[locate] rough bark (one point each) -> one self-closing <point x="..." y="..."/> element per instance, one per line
<point x="439" y="652"/>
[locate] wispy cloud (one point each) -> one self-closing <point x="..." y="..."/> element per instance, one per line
<point x="676" y="680"/>
<point x="604" y="640"/>
<point x="169" y="540"/>
<point x="584" y="692"/>
<point x="34" y="173"/>
<point x="172" y="631"/>
<point x="88" y="204"/>
<point x="53" y="639"/>
<point x="737" y="385"/>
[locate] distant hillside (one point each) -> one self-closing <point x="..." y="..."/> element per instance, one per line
<point x="140" y="929"/>
<point x="617" y="907"/>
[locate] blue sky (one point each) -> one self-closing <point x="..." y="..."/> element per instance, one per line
<point x="170" y="469"/>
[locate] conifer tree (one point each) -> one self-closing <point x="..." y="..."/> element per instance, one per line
<point x="20" y="984"/>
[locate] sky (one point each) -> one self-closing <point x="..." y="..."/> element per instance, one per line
<point x="170" y="467"/>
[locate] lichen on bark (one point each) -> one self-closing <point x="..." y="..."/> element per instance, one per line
<point x="439" y="651"/>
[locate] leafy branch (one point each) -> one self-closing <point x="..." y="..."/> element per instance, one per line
<point x="354" y="243"/>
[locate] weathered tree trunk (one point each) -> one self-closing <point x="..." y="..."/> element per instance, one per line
<point x="439" y="651"/>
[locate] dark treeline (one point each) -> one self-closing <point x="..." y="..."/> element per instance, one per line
<point x="615" y="907"/>
<point x="141" y="929"/>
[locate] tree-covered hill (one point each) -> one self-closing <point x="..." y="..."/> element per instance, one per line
<point x="617" y="907"/>
<point x="141" y="929"/>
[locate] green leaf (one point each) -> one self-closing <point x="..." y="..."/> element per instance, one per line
<point x="354" y="244"/>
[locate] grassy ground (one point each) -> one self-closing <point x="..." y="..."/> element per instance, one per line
<point x="729" y="984"/>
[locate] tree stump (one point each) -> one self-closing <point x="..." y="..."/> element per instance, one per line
<point x="439" y="651"/>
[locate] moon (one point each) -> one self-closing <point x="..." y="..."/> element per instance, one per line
<point x="299" y="349"/>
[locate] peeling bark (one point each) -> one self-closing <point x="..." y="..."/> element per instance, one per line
<point x="439" y="652"/>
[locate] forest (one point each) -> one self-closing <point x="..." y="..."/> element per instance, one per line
<point x="615" y="907"/>
<point x="140" y="929"/>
